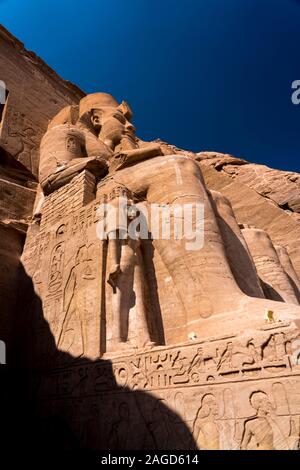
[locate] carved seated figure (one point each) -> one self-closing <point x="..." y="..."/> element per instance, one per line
<point x="98" y="136"/>
<point x="67" y="148"/>
<point x="92" y="138"/>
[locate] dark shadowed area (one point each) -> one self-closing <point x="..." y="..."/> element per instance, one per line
<point x="38" y="420"/>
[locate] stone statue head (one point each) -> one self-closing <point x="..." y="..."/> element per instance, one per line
<point x="110" y="120"/>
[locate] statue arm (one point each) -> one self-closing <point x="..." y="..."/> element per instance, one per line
<point x="95" y="148"/>
<point x="114" y="269"/>
<point x="65" y="151"/>
<point x="130" y="157"/>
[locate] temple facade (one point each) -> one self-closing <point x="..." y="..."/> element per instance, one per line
<point x="157" y="301"/>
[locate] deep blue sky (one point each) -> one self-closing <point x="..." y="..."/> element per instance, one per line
<point x="201" y="74"/>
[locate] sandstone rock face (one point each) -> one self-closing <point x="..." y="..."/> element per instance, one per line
<point x="10" y="252"/>
<point x="33" y="95"/>
<point x="153" y="311"/>
<point x="281" y="187"/>
<point x="17" y="195"/>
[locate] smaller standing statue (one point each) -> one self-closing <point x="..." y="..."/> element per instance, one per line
<point x="126" y="273"/>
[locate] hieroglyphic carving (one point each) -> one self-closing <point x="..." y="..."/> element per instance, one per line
<point x="25" y="140"/>
<point x="259" y="414"/>
<point x="229" y="430"/>
<point x="77" y="305"/>
<point x="166" y="369"/>
<point x="56" y="268"/>
<point x="274" y="349"/>
<point x="190" y="366"/>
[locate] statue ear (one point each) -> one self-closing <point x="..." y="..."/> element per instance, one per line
<point x="125" y="109"/>
<point x="90" y="114"/>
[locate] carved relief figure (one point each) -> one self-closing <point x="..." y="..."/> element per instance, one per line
<point x="56" y="268"/>
<point x="206" y="431"/>
<point x="77" y="304"/>
<point x="25" y="140"/>
<point x="236" y="356"/>
<point x="197" y="363"/>
<point x="274" y="349"/>
<point x="258" y="432"/>
<point x="92" y="435"/>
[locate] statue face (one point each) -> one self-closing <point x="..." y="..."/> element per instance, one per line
<point x="96" y="119"/>
<point x="111" y="125"/>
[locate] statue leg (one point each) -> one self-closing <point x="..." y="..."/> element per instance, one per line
<point x="202" y="276"/>
<point x="142" y="322"/>
<point x="122" y="294"/>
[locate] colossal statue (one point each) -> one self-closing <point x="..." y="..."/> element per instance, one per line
<point x="98" y="137"/>
<point x="146" y="282"/>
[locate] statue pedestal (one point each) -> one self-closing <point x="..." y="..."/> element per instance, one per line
<point x="220" y="393"/>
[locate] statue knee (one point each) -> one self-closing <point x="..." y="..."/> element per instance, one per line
<point x="184" y="164"/>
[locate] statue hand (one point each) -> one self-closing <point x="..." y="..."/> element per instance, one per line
<point x="113" y="275"/>
<point x="96" y="165"/>
<point x="129" y="157"/>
